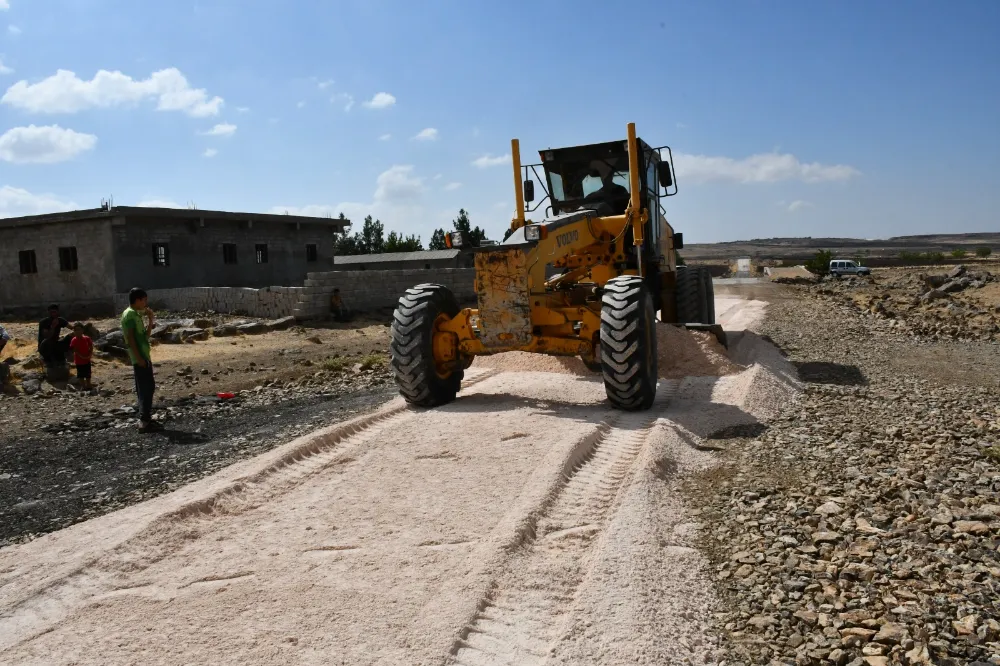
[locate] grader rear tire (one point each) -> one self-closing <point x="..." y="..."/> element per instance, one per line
<point x="628" y="343"/>
<point x="420" y="380"/>
<point x="695" y="295"/>
<point x="708" y="293"/>
<point x="689" y="298"/>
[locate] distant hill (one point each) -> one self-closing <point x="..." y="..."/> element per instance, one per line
<point x="803" y="248"/>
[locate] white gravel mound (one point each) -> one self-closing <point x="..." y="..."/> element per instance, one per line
<point x="680" y="353"/>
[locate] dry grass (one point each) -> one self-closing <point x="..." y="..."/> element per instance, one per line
<point x="336" y="364"/>
<point x="373" y="361"/>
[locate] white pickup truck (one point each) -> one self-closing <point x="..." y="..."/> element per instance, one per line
<point x="840" y="267"/>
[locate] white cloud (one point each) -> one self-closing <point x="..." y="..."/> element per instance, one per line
<point x="381" y="100"/>
<point x="427" y="134"/>
<point x="761" y="168"/>
<point x="243" y="109"/>
<point x="301" y="104"/>
<point x="385" y="137"/>
<point x="307" y="211"/>
<point x="221" y="129"/>
<point x="438" y="176"/>
<point x="681" y="126"/>
<point x="159" y="203"/>
<point x="4" y="5"/>
<point x="323" y="85"/>
<point x="15" y="202"/>
<point x="397" y="202"/>
<point x="799" y="205"/>
<point x="346" y="98"/>
<point x="4" y="69"/>
<point x="398" y="184"/>
<point x="14" y="30"/>
<point x="487" y="161"/>
<point x="210" y="152"/>
<point x="64" y="92"/>
<point x="451" y="187"/>
<point x="273" y="121"/>
<point x="43" y="145"/>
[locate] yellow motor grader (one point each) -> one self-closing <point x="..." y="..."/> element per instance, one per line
<point x="588" y="280"/>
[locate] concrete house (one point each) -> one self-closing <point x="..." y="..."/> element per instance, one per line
<point x="82" y="258"/>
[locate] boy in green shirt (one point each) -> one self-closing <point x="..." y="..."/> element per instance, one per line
<point x="136" y="332"/>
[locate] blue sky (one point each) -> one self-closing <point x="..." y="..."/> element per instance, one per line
<point x="842" y="118"/>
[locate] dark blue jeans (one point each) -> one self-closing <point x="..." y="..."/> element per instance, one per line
<point x="144" y="387"/>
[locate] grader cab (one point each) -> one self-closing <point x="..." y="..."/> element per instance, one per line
<point x="590" y="279"/>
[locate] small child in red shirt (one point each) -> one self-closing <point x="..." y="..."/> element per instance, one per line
<point x="83" y="348"/>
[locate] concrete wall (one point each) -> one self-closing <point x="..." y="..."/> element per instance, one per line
<point x="91" y="284"/>
<point x="456" y="262"/>
<point x="196" y="255"/>
<point x="368" y="290"/>
<point x="270" y="302"/>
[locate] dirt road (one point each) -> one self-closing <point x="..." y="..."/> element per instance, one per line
<point x="527" y="523"/>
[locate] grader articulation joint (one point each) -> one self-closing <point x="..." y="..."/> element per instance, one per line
<point x="587" y="280"/>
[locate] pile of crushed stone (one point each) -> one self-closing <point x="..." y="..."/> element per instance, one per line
<point x="682" y="353"/>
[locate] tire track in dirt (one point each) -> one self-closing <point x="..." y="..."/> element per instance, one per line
<point x="523" y="612"/>
<point x="48" y="604"/>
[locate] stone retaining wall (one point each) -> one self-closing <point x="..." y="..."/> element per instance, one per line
<point x="359" y="290"/>
<point x="368" y="290"/>
<point x="269" y="302"/>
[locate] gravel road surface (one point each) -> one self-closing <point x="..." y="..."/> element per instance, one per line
<point x="527" y="523"/>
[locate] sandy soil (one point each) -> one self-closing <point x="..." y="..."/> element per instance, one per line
<point x="527" y="522"/>
<point x="229" y="364"/>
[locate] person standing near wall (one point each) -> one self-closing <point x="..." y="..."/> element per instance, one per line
<point x="136" y="331"/>
<point x="4" y="370"/>
<point x="83" y="349"/>
<point x="337" y="306"/>
<point x="50" y="347"/>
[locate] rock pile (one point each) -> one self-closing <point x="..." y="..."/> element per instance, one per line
<point x="864" y="527"/>
<point x="177" y="331"/>
<point x="935" y="307"/>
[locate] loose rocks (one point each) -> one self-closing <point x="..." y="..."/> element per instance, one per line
<point x="862" y="527"/>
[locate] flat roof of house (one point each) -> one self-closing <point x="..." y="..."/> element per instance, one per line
<point x="423" y="255"/>
<point x="185" y="213"/>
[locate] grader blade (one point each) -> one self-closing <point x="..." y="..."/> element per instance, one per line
<point x="504" y="299"/>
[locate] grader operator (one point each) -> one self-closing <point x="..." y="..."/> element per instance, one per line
<point x="587" y="280"/>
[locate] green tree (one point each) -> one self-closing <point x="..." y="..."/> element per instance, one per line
<point x="820" y="263"/>
<point x="399" y="243"/>
<point x="437" y="241"/>
<point x="372" y="238"/>
<point x="345" y="244"/>
<point x="471" y="235"/>
<point x="958" y="253"/>
<point x="983" y="252"/>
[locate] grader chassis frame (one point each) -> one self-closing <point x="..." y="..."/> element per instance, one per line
<point x="618" y="263"/>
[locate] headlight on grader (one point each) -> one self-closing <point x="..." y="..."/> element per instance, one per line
<point x="532" y="232"/>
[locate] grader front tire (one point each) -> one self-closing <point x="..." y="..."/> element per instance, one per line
<point x="420" y="378"/>
<point x="628" y="343"/>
